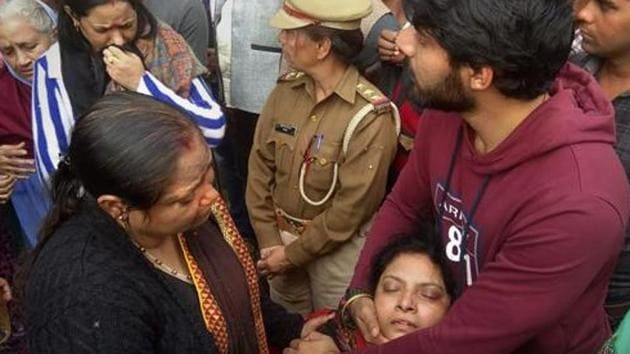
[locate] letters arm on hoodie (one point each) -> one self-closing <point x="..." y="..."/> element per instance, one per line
<point x="360" y="189"/>
<point x="200" y="105"/>
<point x="407" y="204"/>
<point x="547" y="262"/>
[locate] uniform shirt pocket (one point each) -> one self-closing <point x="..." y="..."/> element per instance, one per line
<point x="283" y="146"/>
<point x="320" y="174"/>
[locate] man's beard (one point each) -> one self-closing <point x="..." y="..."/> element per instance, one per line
<point x="449" y="95"/>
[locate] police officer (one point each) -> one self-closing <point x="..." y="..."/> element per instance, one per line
<point x="322" y="148"/>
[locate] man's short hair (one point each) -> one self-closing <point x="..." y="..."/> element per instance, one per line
<point x="525" y="42"/>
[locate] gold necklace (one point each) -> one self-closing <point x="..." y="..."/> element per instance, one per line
<point x="157" y="263"/>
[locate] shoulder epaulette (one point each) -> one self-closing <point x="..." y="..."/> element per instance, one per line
<point x="290" y="76"/>
<point x="380" y="102"/>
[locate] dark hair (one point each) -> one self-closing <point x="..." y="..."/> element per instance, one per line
<point x="526" y="42"/>
<point x="127" y="145"/>
<point x="345" y="44"/>
<point x="412" y="244"/>
<point x="147" y="24"/>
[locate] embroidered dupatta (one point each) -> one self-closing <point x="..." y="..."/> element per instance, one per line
<point x="199" y="266"/>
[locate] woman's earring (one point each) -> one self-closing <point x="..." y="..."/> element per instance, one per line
<point x="76" y="26"/>
<point x="124" y="219"/>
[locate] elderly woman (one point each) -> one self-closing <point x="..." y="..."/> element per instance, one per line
<point x="26" y="32"/>
<point x="107" y="46"/>
<point x="139" y="254"/>
<point x="322" y="148"/>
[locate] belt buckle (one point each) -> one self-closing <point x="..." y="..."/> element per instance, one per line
<point x="298" y="227"/>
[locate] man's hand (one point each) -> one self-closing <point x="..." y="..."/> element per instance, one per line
<point x="12" y="161"/>
<point x="315" y="343"/>
<point x="388" y="49"/>
<point x="5" y="290"/>
<point x="7" y="182"/>
<point x="313" y="324"/>
<point x="364" y="315"/>
<point x="125" y="68"/>
<point x="272" y="261"/>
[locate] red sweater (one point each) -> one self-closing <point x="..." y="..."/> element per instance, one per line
<point x="15" y="110"/>
<point x="546" y="233"/>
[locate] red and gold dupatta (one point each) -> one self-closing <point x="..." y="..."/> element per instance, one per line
<point x="213" y="316"/>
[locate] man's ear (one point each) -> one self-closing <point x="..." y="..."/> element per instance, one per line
<point x="478" y="79"/>
<point x="113" y="205"/>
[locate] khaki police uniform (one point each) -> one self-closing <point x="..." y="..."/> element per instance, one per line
<point x="323" y="241"/>
<point x="309" y="188"/>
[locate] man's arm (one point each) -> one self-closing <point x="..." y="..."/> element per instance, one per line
<point x="548" y="262"/>
<point x="409" y="201"/>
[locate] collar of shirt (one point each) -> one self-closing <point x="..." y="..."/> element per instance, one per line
<point x="593" y="64"/>
<point x="346" y="88"/>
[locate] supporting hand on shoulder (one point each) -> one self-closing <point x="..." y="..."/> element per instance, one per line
<point x="363" y="313"/>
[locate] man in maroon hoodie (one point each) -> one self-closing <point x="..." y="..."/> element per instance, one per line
<point x="517" y="168"/>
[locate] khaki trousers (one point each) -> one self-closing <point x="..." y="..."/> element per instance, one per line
<point x="320" y="284"/>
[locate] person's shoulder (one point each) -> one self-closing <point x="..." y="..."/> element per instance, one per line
<point x="292" y="76"/>
<point x="386" y="22"/>
<point x="586" y="61"/>
<point x="287" y="85"/>
<point x="86" y="247"/>
<point x="368" y="93"/>
<point x="166" y="32"/>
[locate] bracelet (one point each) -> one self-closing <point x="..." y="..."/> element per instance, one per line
<point x="352" y="295"/>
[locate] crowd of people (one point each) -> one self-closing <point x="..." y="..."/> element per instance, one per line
<point x="314" y="176"/>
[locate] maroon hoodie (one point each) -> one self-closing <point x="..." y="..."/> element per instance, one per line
<point x="550" y="207"/>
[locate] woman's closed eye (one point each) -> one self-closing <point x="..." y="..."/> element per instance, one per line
<point x="430" y="292"/>
<point x="391" y="286"/>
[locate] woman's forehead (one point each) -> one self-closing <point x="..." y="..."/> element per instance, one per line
<point x="413" y="266"/>
<point x="110" y="12"/>
<point x="193" y="162"/>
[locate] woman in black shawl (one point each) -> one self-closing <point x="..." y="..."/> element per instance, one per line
<point x="139" y="254"/>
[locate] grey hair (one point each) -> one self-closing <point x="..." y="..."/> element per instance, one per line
<point x="31" y="10"/>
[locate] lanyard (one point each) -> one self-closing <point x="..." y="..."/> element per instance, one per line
<point x="471" y="214"/>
